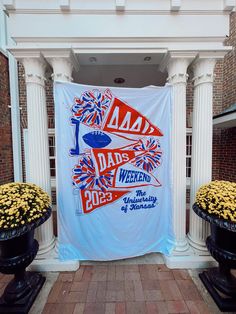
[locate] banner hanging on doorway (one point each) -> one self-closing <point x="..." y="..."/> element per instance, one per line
<point x="113" y="171"/>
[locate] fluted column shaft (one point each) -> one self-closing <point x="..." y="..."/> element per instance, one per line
<point x="38" y="154"/>
<point x="177" y="71"/>
<point x="201" y="169"/>
<point x="62" y="71"/>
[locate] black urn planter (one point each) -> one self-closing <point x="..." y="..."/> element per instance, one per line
<point x="18" y="248"/>
<point x="219" y="282"/>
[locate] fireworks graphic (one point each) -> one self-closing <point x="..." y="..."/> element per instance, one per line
<point x="151" y="159"/>
<point x="91" y="107"/>
<point x="85" y="176"/>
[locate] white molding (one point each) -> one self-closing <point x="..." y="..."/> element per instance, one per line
<point x="229" y="5"/>
<point x="189" y="261"/>
<point x="15" y="119"/>
<point x="128" y="39"/>
<point x="9" y="4"/>
<point x="120" y="5"/>
<point x="66" y="54"/>
<point x="175" y="5"/>
<point x="113" y="12"/>
<point x="226" y="121"/>
<point x="64" y="5"/>
<point x="189" y="55"/>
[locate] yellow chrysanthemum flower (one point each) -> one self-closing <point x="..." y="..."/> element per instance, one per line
<point x="218" y="198"/>
<point x="21" y="203"/>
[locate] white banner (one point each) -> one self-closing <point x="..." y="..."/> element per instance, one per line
<point x="113" y="171"/>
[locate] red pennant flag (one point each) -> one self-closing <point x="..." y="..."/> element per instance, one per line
<point x="92" y="199"/>
<point x="122" y="118"/>
<point x="109" y="159"/>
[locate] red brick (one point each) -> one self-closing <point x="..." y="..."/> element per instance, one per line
<point x="62" y="308"/>
<point x="177" y="307"/>
<point x="120" y="308"/>
<point x="88" y="273"/>
<point x="94" y="308"/>
<point x="138" y="290"/>
<point x="132" y="275"/>
<point x="153" y="295"/>
<point x="79" y="286"/>
<point x="101" y="291"/>
<point x="111" y="272"/>
<point x="180" y="274"/>
<point x="165" y="275"/>
<point x="151" y="284"/>
<point x="135" y="307"/>
<point x="76" y="296"/>
<point x="110" y="308"/>
<point x="156" y="307"/>
<point x="79" y="274"/>
<point x="198" y="307"/>
<point x="120" y="272"/>
<point x="66" y="277"/>
<point x="170" y="290"/>
<point x="188" y="290"/>
<point x="79" y="308"/>
<point x="92" y="291"/>
<point x="129" y="291"/>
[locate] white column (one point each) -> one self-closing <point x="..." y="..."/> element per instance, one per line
<point x="201" y="169"/>
<point x="62" y="71"/>
<point x="38" y="160"/>
<point x="177" y="68"/>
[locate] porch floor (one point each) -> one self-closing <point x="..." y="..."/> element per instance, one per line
<point x="132" y="289"/>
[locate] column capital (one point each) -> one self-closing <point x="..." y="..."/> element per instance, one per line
<point x="63" y="62"/>
<point x="203" y="69"/>
<point x="176" y="64"/>
<point x="34" y="69"/>
<point x="203" y="66"/>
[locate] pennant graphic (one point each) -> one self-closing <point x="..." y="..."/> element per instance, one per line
<point x="130" y="176"/>
<point x="121" y="118"/>
<point x="92" y="199"/>
<point x="109" y="159"/>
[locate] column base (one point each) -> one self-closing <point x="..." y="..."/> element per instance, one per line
<point x="47" y="248"/>
<point x="200" y="246"/>
<point x="181" y="246"/>
<point x="189" y="259"/>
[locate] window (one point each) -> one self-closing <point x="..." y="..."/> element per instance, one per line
<point x="51" y="143"/>
<point x="52" y="155"/>
<point x="188" y="154"/>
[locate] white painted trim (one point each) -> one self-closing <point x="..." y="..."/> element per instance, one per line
<point x="3" y="32"/>
<point x="189" y="261"/>
<point x="15" y="119"/>
<point x="9" y="4"/>
<point x="94" y="40"/>
<point x="26" y="153"/>
<point x="64" y="5"/>
<point x="175" y="5"/>
<point x="227" y="121"/>
<point x="229" y="5"/>
<point x="113" y="12"/>
<point x="120" y="5"/>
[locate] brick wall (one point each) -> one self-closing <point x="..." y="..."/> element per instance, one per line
<point x="226" y="147"/>
<point x="6" y="159"/>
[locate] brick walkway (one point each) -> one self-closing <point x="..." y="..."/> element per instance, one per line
<point x="130" y="289"/>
